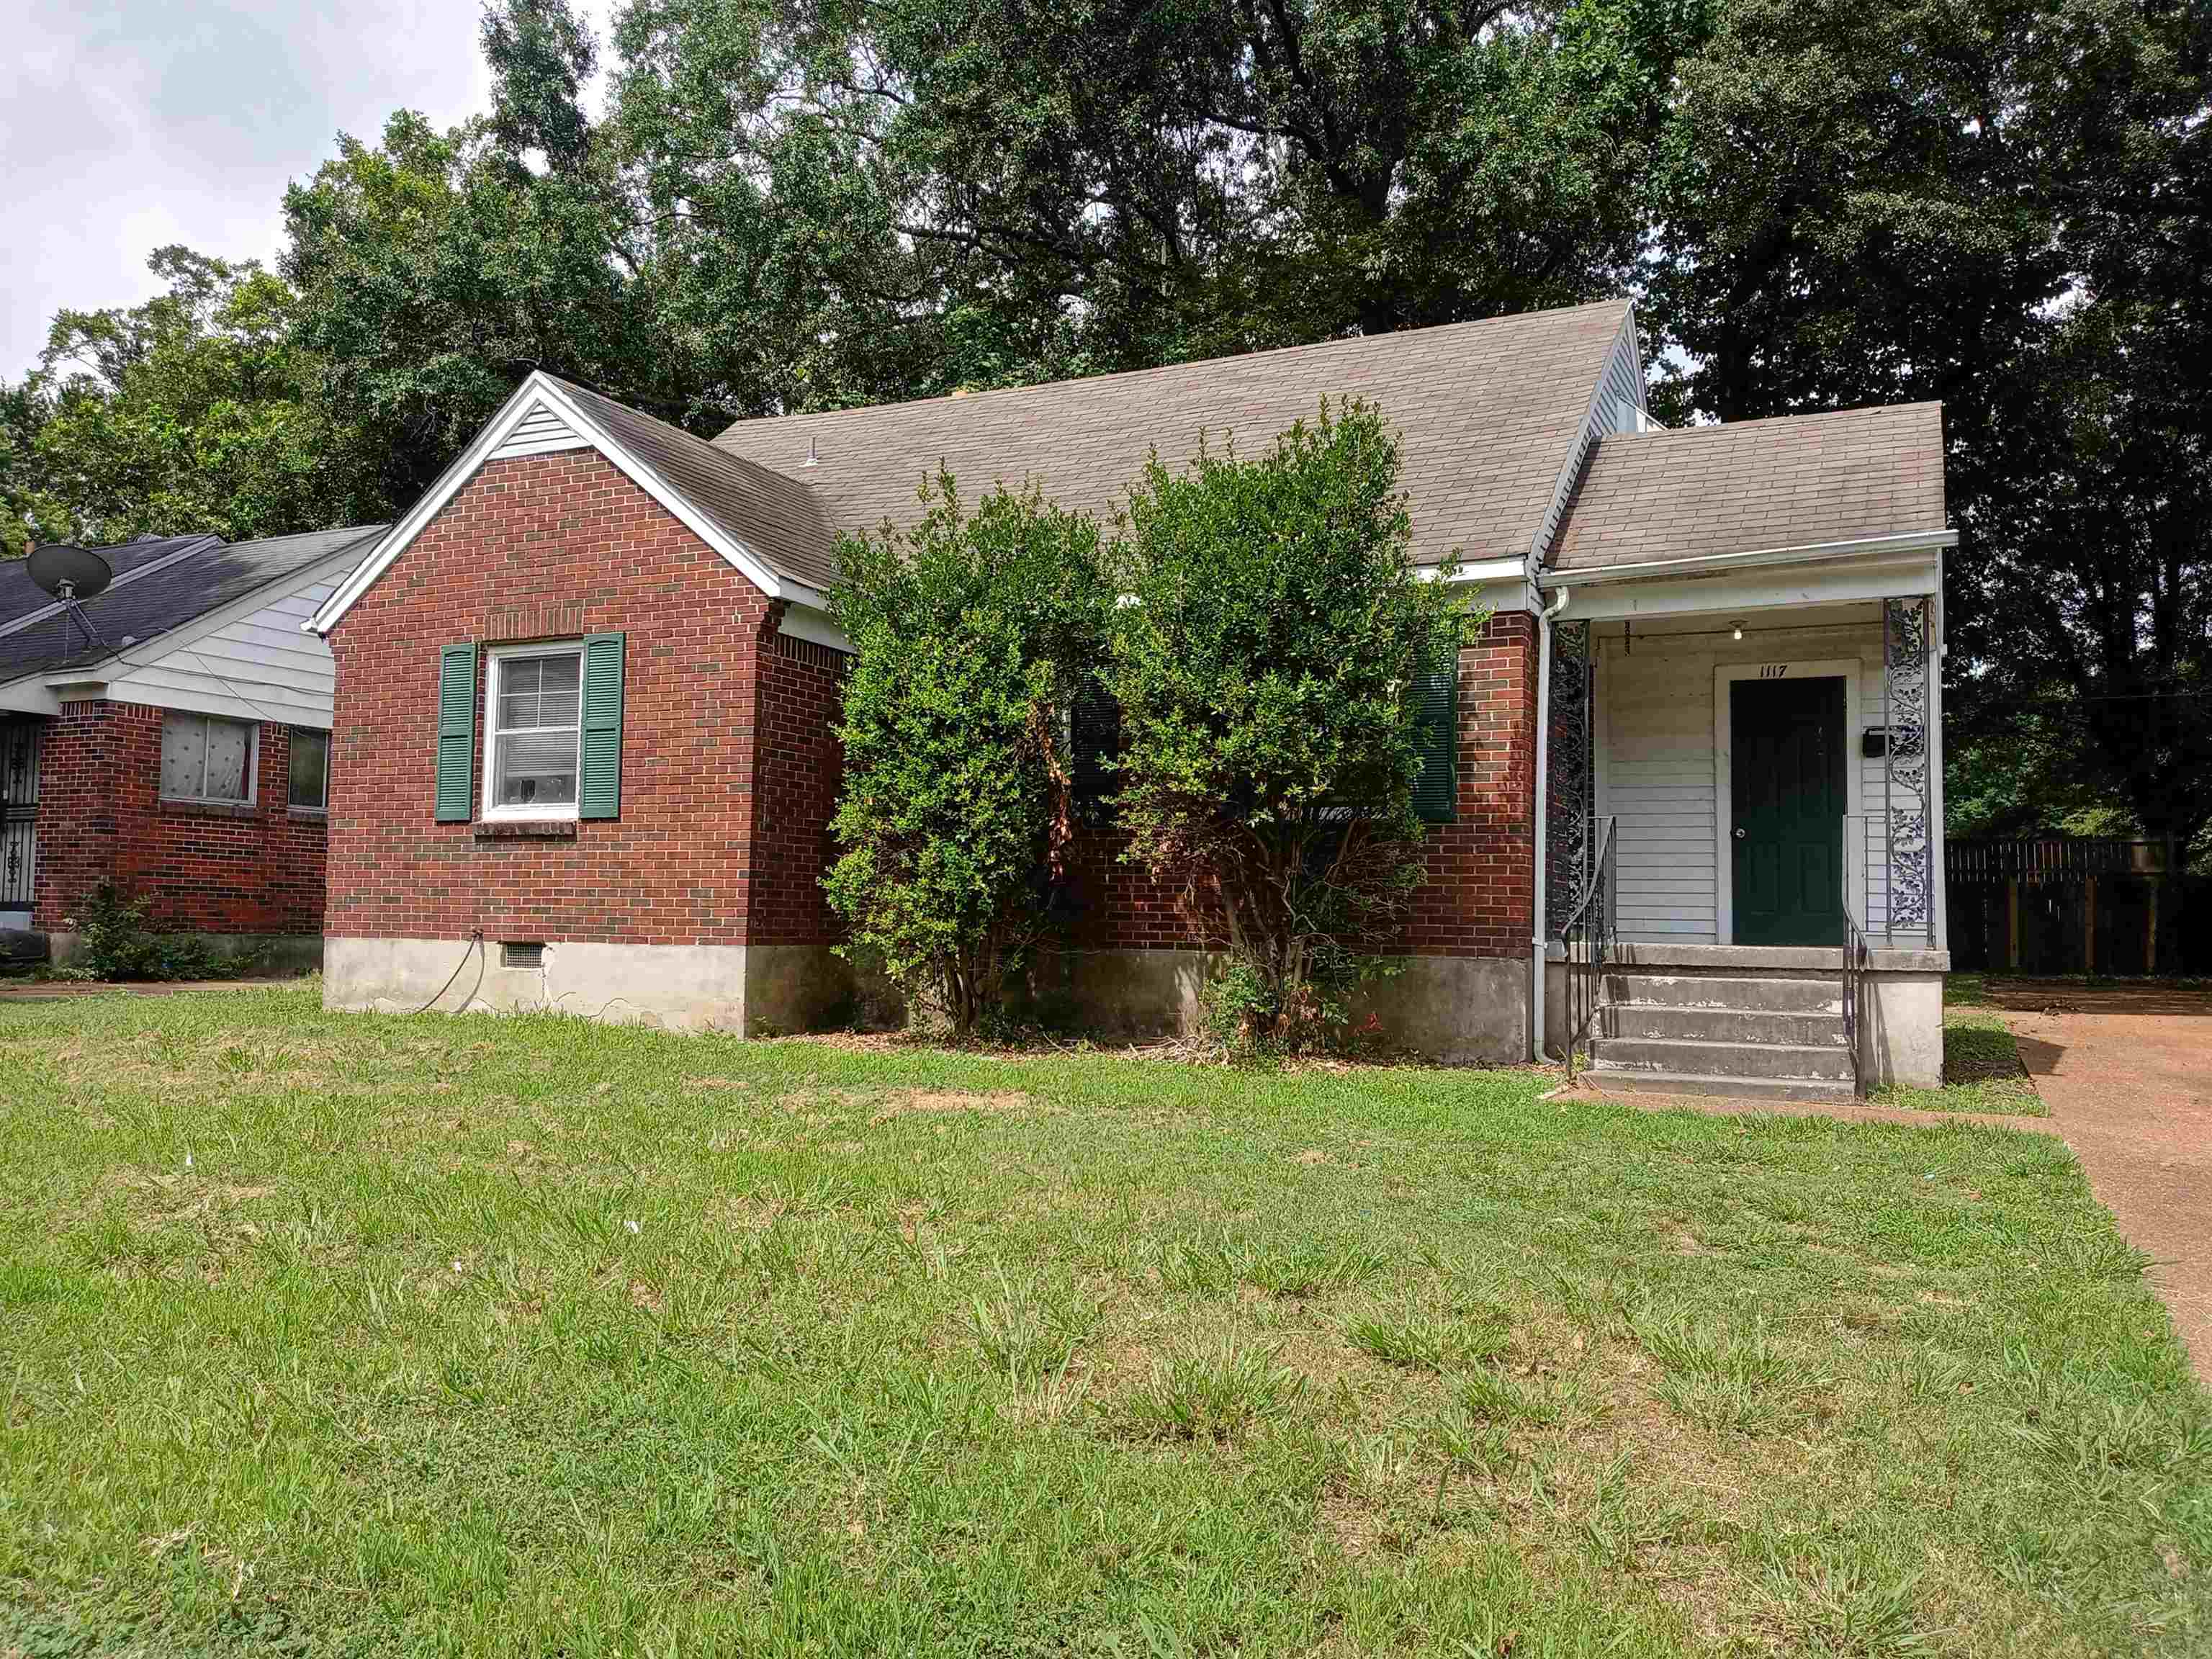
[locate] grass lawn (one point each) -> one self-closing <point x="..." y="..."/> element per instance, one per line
<point x="1982" y="1070"/>
<point x="347" y="1333"/>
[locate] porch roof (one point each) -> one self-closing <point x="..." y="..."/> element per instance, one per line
<point x="1808" y="481"/>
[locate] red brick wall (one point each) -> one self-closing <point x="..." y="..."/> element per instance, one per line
<point x="795" y="792"/>
<point x="255" y="869"/>
<point x="556" y="546"/>
<point x="1478" y="897"/>
<point x="730" y="763"/>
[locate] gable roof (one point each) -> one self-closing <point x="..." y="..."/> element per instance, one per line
<point x="1491" y="413"/>
<point x="777" y="517"/>
<point x="1794" y="481"/>
<point x="764" y="525"/>
<point x="150" y="597"/>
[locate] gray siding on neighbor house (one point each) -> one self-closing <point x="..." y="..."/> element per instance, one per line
<point x="258" y="667"/>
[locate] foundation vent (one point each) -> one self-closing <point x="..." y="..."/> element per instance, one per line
<point x="522" y="953"/>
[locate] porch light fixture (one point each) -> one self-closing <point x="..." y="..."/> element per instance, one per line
<point x="1735" y="630"/>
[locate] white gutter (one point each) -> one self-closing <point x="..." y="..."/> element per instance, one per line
<point x="1917" y="541"/>
<point x="1482" y="570"/>
<point x="1544" y="617"/>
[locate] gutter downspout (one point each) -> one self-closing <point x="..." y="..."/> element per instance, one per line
<point x="1544" y="618"/>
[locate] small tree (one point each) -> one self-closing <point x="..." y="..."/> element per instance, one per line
<point x="1267" y="676"/>
<point x="973" y="634"/>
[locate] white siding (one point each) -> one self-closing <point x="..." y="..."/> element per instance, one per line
<point x="1657" y="770"/>
<point x="541" y="432"/>
<point x="258" y="667"/>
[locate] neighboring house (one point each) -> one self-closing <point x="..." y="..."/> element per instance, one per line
<point x="170" y="737"/>
<point x="586" y="690"/>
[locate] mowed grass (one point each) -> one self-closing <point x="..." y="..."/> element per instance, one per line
<point x="347" y="1333"/>
<point x="1982" y="1068"/>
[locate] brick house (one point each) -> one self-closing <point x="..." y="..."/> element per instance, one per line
<point x="585" y="690"/>
<point x="170" y="737"/>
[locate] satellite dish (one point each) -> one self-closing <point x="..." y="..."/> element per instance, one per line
<point x="71" y="574"/>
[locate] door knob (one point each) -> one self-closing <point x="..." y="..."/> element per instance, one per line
<point x="1739" y="835"/>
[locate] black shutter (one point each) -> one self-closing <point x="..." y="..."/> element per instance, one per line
<point x="1094" y="722"/>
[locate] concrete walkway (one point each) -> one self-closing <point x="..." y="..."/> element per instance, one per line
<point x="2126" y="1071"/>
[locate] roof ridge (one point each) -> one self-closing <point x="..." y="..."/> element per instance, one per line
<point x="1621" y="302"/>
<point x="299" y="535"/>
<point x="1713" y="428"/>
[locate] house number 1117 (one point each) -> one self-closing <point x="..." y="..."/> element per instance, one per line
<point x="1772" y="670"/>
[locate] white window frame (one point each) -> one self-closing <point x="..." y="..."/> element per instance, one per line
<point x="496" y="659"/>
<point x="252" y="760"/>
<point x="323" y="805"/>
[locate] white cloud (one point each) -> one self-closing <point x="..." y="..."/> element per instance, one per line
<point x="135" y="123"/>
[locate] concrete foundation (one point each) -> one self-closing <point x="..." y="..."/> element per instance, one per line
<point x="1123" y="994"/>
<point x="1901" y="1029"/>
<point x="758" y="990"/>
<point x="1462" y="1010"/>
<point x="256" y="954"/>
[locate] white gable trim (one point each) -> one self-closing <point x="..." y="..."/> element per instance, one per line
<point x="1596" y="420"/>
<point x="539" y="391"/>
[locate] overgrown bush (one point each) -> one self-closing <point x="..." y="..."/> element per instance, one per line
<point x="1266" y="675"/>
<point x="974" y="634"/>
<point x="115" y="942"/>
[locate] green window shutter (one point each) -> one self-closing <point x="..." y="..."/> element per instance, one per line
<point x="600" y="795"/>
<point x="1436" y="727"/>
<point x="457" y="733"/>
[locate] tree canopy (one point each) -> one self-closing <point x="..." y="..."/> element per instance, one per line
<point x="727" y="208"/>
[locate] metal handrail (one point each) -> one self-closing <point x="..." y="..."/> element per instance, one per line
<point x="1588" y="939"/>
<point x="1855" y="951"/>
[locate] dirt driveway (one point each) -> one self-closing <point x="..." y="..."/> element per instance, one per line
<point x="2127" y="1072"/>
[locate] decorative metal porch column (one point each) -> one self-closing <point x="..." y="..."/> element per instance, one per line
<point x="1568" y="815"/>
<point x="1907" y="643"/>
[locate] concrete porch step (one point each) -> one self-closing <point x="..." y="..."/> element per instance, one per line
<point x="1792" y="1061"/>
<point x="1740" y="1088"/>
<point x="1761" y="994"/>
<point x="1701" y="1024"/>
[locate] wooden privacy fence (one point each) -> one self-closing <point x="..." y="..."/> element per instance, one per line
<point x="2067" y="905"/>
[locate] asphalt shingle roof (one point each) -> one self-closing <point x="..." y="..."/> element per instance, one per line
<point x="1489" y="411"/>
<point x="20" y="595"/>
<point x="1793" y="480"/>
<point x="151" y="605"/>
<point x="776" y="518"/>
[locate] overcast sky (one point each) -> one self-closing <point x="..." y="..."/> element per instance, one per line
<point x="131" y="124"/>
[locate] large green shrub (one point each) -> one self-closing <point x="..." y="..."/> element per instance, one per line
<point x="1266" y="673"/>
<point x="974" y="634"/>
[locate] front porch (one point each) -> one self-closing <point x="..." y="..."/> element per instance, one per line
<point x="1745" y="825"/>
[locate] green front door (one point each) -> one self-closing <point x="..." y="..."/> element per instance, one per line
<point x="1787" y="794"/>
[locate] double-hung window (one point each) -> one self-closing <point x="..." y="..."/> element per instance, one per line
<point x="533" y="734"/>
<point x="206" y="758"/>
